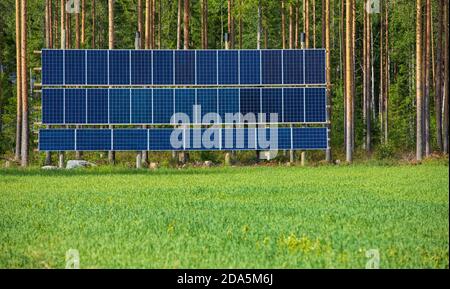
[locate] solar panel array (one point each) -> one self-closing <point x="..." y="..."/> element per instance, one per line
<point x="157" y="106"/>
<point x="183" y="67"/>
<point x="139" y="87"/>
<point x="190" y="139"/>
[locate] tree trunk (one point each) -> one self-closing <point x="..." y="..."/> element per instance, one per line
<point x="367" y="80"/>
<point x="77" y="31"/>
<point x="438" y="78"/>
<point x="386" y="74"/>
<point x="297" y="23"/>
<point x="258" y="32"/>
<point x="314" y="22"/>
<point x="427" y="71"/>
<point x="206" y="25"/>
<point x="283" y="26"/>
<point x="83" y="23"/>
<point x="148" y="10"/>
<point x="93" y="23"/>
<point x="348" y="78"/>
<point x="63" y="25"/>
<point x="186" y="24"/>
<point x="153" y="30"/>
<point x="139" y="24"/>
<point x="24" y="83"/>
<point x="306" y="21"/>
<point x="328" y="156"/>
<point x="111" y="154"/>
<point x="159" y="23"/>
<point x="18" y="84"/>
<point x="180" y="5"/>
<point x="291" y="26"/>
<point x="445" y="86"/>
<point x="241" y="25"/>
<point x="419" y="96"/>
<point x="230" y="24"/>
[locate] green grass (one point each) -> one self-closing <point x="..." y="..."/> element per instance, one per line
<point x="258" y="217"/>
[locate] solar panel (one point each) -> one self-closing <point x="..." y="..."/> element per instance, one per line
<point x="141" y="67"/>
<point x="207" y="101"/>
<point x="97" y="67"/>
<point x="183" y="67"/>
<point x="315" y="66"/>
<point x="141" y="106"/>
<point x="183" y="139"/>
<point x="52" y="67"/>
<point x="53" y="106"/>
<point x="163" y="67"/>
<point x="206" y="67"/>
<point x="119" y="106"/>
<point x="97" y="106"/>
<point x="75" y="106"/>
<point x="271" y="66"/>
<point x="293" y="105"/>
<point x="75" y="67"/>
<point x="315" y="105"/>
<point x="249" y="67"/>
<point x="184" y="102"/>
<point x="272" y="104"/>
<point x="163" y="105"/>
<point x="250" y="102"/>
<point x="228" y="103"/>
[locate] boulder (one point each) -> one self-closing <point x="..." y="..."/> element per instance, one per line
<point x="208" y="164"/>
<point x="74" y="164"/>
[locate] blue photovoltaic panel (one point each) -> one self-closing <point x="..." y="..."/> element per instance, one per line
<point x="129" y="139"/>
<point x="197" y="139"/>
<point x="206" y="67"/>
<point x="163" y="105"/>
<point x="184" y="102"/>
<point x="141" y="106"/>
<point x="75" y="101"/>
<point x="271" y="66"/>
<point x="250" y="103"/>
<point x="56" y="139"/>
<point x="141" y="67"/>
<point x="227" y="67"/>
<point x="183" y="139"/>
<point x="97" y="67"/>
<point x="293" y="105"/>
<point x="163" y="67"/>
<point x="315" y="66"/>
<point x="315" y="101"/>
<point x="250" y="70"/>
<point x="159" y="139"/>
<point x="207" y="102"/>
<point x="75" y="67"/>
<point x="272" y="104"/>
<point x="93" y="139"/>
<point x="52" y="106"/>
<point x="228" y="103"/>
<point x="119" y="67"/>
<point x="184" y="67"/>
<point x="310" y="138"/>
<point x="293" y="67"/>
<point x="52" y="67"/>
<point x="119" y="106"/>
<point x="97" y="106"/>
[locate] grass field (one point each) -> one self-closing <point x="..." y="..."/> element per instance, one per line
<point x="256" y="217"/>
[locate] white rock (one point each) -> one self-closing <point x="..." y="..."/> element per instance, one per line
<point x="49" y="168"/>
<point x="73" y="164"/>
<point x="208" y="164"/>
<point x="153" y="166"/>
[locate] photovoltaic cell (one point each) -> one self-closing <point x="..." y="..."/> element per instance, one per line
<point x="97" y="106"/>
<point x="315" y="100"/>
<point x="159" y="140"/>
<point x="163" y="67"/>
<point x="75" y="101"/>
<point x="52" y="67"/>
<point x="119" y="106"/>
<point x="293" y="67"/>
<point x="141" y="67"/>
<point x="119" y="67"/>
<point x="272" y="104"/>
<point x="163" y="105"/>
<point x="314" y="66"/>
<point x="206" y="67"/>
<point x="184" y="67"/>
<point x="271" y="66"/>
<point x="56" y="140"/>
<point x="228" y="67"/>
<point x="184" y="102"/>
<point x="53" y="106"/>
<point x="75" y="67"/>
<point x="228" y="103"/>
<point x="97" y="67"/>
<point x="141" y="106"/>
<point x="294" y="103"/>
<point x="250" y="99"/>
<point x="129" y="139"/>
<point x="207" y="102"/>
<point x="309" y="138"/>
<point x="93" y="139"/>
<point x="250" y="68"/>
